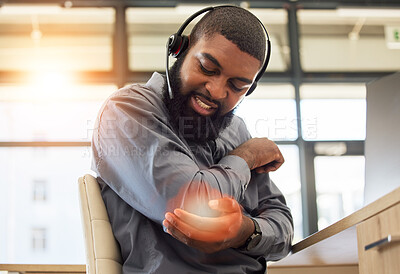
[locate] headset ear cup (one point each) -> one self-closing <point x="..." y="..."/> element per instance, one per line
<point x="251" y="89"/>
<point x="184" y="45"/>
<point x="177" y="44"/>
<point x="173" y="43"/>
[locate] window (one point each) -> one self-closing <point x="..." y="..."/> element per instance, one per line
<point x="333" y="112"/>
<point x="150" y="28"/>
<point x="340" y="40"/>
<point x="61" y="166"/>
<point x="38" y="239"/>
<point x="40" y="113"/>
<point x="270" y="112"/>
<point x="55" y="38"/>
<point x="35" y="112"/>
<point x="39" y="190"/>
<point x="339" y="182"/>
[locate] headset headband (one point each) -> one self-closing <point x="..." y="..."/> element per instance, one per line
<point x="177" y="43"/>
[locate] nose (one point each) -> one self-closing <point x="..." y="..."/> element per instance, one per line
<point x="217" y="88"/>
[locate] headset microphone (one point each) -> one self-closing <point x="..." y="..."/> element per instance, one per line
<point x="178" y="43"/>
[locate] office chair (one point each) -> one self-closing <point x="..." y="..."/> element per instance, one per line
<point x="103" y="255"/>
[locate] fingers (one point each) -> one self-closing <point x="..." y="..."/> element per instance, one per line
<point x="186" y="233"/>
<point x="273" y="166"/>
<point x="206" y="247"/>
<point x="175" y="233"/>
<point x="222" y="223"/>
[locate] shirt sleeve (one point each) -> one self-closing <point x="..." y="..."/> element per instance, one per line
<point x="274" y="218"/>
<point x="136" y="153"/>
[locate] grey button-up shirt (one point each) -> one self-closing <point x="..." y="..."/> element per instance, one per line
<point x="145" y="169"/>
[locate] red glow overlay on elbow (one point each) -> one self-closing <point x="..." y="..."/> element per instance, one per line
<point x="194" y="197"/>
<point x="191" y="217"/>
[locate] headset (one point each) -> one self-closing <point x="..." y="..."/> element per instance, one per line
<point x="178" y="43"/>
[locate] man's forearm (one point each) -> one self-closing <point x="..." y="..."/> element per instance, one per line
<point x="260" y="154"/>
<point x="245" y="155"/>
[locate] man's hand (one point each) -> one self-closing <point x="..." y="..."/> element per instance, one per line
<point x="211" y="234"/>
<point x="261" y="154"/>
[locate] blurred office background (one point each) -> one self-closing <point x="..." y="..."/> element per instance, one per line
<point x="59" y="60"/>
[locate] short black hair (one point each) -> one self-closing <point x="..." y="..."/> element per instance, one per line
<point x="237" y="25"/>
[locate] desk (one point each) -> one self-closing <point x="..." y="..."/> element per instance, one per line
<point x="335" y="249"/>
<point x="42" y="269"/>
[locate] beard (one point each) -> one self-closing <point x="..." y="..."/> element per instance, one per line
<point x="191" y="125"/>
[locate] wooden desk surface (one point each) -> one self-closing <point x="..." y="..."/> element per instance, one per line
<point x="41" y="268"/>
<point x="337" y="244"/>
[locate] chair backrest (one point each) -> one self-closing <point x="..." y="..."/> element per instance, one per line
<point x="103" y="255"/>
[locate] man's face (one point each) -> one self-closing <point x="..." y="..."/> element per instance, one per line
<point x="208" y="82"/>
<point x="216" y="75"/>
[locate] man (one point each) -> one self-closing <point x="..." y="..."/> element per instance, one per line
<point x="186" y="188"/>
